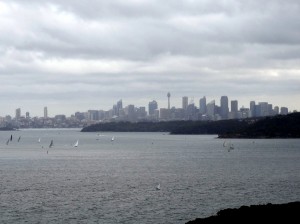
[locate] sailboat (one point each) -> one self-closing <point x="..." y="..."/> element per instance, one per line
<point x="76" y="144"/>
<point x="51" y="144"/>
<point x="158" y="187"/>
<point x="113" y="138"/>
<point x="19" y="138"/>
<point x="7" y="142"/>
<point x="229" y="146"/>
<point x="39" y="141"/>
<point x="224" y="144"/>
<point x="11" y="138"/>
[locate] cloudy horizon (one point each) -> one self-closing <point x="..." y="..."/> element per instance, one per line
<point x="78" y="55"/>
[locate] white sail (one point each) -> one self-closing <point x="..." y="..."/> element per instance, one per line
<point x="158" y="187"/>
<point x="51" y="144"/>
<point x="39" y="141"/>
<point x="113" y="138"/>
<point x="76" y="144"/>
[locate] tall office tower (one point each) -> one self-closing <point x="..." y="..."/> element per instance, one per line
<point x="270" y="110"/>
<point x="169" y="95"/>
<point x="131" y="113"/>
<point x="224" y="107"/>
<point x="284" y="110"/>
<point x="27" y="115"/>
<point x="252" y="109"/>
<point x="263" y="109"/>
<point x="45" y="112"/>
<point x="202" y="105"/>
<point x="276" y="110"/>
<point x="185" y="102"/>
<point x="211" y="109"/>
<point x="119" y="107"/>
<point x="152" y="106"/>
<point x="18" y="113"/>
<point x="234" y="106"/>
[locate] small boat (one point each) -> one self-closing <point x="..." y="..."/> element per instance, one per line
<point x="76" y="144"/>
<point x="39" y="141"/>
<point x="113" y="138"/>
<point x="11" y="138"/>
<point x="231" y="147"/>
<point x="19" y="138"/>
<point x="224" y="144"/>
<point x="7" y="142"/>
<point x="51" y="144"/>
<point x="158" y="187"/>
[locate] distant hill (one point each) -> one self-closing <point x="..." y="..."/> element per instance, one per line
<point x="281" y="126"/>
<point x="7" y="129"/>
<point x="174" y="127"/>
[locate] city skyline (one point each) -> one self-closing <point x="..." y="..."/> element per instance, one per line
<point x="72" y="57"/>
<point x="232" y="105"/>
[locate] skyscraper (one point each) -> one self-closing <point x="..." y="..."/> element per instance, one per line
<point x="211" y="109"/>
<point x="185" y="102"/>
<point x="224" y="107"/>
<point x="18" y="113"/>
<point x="202" y="105"/>
<point x="45" y="112"/>
<point x="169" y="95"/>
<point x="252" y="109"/>
<point x="234" y="106"/>
<point x="119" y="107"/>
<point x="152" y="106"/>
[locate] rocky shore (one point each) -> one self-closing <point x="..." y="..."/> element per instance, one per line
<point x="268" y="213"/>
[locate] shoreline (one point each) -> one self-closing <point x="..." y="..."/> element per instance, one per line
<point x="267" y="213"/>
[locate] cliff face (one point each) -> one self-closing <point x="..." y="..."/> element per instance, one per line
<point x="269" y="213"/>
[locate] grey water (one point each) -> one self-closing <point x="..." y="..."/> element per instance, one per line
<point x="105" y="181"/>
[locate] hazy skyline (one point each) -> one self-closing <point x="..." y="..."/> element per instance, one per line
<point x="77" y="55"/>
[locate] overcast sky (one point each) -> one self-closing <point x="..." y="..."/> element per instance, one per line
<point x="75" y="55"/>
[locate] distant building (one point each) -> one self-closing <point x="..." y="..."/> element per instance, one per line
<point x="164" y="114"/>
<point x="152" y="106"/>
<point x="27" y="115"/>
<point x="18" y="114"/>
<point x="276" y="110"/>
<point x="93" y="115"/>
<point x="234" y="106"/>
<point x="210" y="109"/>
<point x="224" y="107"/>
<point x="169" y="95"/>
<point x="45" y="112"/>
<point x="185" y="102"/>
<point x="284" y="110"/>
<point x="131" y="113"/>
<point x="202" y="105"/>
<point x="233" y="114"/>
<point x="119" y="107"/>
<point x="141" y="113"/>
<point x="252" y="109"/>
<point x="263" y="109"/>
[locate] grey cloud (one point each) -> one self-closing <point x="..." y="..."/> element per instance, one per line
<point x="141" y="49"/>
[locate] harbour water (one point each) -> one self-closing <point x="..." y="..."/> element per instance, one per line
<point x="105" y="181"/>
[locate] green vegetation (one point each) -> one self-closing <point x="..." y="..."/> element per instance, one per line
<point x="174" y="127"/>
<point x="7" y="128"/>
<point x="281" y="126"/>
